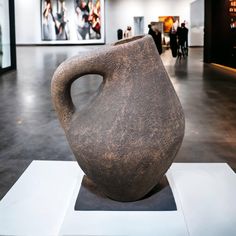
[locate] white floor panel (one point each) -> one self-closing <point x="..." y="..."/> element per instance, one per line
<point x="208" y="197"/>
<point x="37" y="203"/>
<point x="42" y="203"/>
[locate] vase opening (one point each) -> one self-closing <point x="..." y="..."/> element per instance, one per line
<point x="128" y="40"/>
<point x="80" y="97"/>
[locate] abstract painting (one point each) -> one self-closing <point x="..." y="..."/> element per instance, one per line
<point x="168" y="22"/>
<point x="76" y="21"/>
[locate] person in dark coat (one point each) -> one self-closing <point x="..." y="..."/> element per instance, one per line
<point x="119" y="34"/>
<point x="173" y="42"/>
<point x="156" y="35"/>
<point x="182" y="33"/>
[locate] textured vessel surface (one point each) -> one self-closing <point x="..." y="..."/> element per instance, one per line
<point x="127" y="137"/>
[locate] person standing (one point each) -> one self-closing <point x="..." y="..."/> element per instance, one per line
<point x="158" y="41"/>
<point x="182" y="33"/>
<point x="156" y="35"/>
<point x="119" y="34"/>
<point x="128" y="32"/>
<point x="173" y="42"/>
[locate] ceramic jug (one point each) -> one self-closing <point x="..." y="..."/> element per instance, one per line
<point x="127" y="137"/>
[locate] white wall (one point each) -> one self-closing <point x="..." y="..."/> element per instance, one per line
<point x="27" y="21"/>
<point x="197" y="22"/>
<point x="118" y="14"/>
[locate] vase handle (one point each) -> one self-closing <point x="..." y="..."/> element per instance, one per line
<point x="69" y="71"/>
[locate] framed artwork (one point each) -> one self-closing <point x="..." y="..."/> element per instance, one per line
<point x="158" y="25"/>
<point x="138" y="25"/>
<point x="7" y="36"/>
<point x="232" y="13"/>
<point x="168" y="22"/>
<point x="73" y="21"/>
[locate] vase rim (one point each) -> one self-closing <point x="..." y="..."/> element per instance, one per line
<point x="130" y="40"/>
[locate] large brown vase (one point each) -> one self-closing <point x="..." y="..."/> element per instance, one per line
<point x="127" y="137"/>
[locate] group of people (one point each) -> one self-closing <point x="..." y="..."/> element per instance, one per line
<point x="153" y="31"/>
<point x="178" y="38"/>
<point x="127" y="33"/>
<point x="179" y="41"/>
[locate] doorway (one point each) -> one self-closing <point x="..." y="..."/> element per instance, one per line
<point x="138" y="25"/>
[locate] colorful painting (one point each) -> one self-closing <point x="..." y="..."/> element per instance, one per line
<point x="232" y="13"/>
<point x="158" y="26"/>
<point x="168" y="22"/>
<point x="76" y="21"/>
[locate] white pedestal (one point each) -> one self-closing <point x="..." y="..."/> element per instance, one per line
<point x="42" y="203"/>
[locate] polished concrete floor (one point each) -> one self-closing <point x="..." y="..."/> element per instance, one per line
<point x="29" y="129"/>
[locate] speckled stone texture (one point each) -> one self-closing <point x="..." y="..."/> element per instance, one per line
<point x="127" y="137"/>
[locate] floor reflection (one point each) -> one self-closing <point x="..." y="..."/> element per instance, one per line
<point x="30" y="129"/>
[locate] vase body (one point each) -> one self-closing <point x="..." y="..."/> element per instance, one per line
<point x="127" y="137"/>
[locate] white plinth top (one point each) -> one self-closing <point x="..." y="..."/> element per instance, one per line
<point x="42" y="203"/>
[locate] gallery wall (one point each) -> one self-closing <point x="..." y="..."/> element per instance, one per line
<point x="118" y="15"/>
<point x="27" y="22"/>
<point x="197" y="22"/>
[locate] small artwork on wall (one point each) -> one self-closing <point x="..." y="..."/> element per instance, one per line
<point x="168" y="22"/>
<point x="73" y="21"/>
<point x="158" y="26"/>
<point x="232" y="13"/>
<point x="233" y="23"/>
